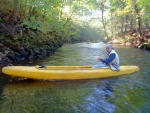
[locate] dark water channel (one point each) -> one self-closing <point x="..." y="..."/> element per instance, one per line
<point x="124" y="94"/>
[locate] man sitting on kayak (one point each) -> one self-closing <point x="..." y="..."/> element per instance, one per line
<point x="111" y="61"/>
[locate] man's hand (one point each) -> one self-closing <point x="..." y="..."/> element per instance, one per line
<point x="99" y="58"/>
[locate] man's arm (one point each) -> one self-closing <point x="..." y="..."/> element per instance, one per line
<point x="111" y="58"/>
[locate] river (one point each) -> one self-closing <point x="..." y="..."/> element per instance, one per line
<point x="124" y="94"/>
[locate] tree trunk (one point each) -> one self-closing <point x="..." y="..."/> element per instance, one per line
<point x="126" y="23"/>
<point x="68" y="18"/>
<point x="138" y="18"/>
<point x="15" y="10"/>
<point x="122" y="25"/>
<point x="131" y="24"/>
<point x="103" y="22"/>
<point x="138" y="24"/>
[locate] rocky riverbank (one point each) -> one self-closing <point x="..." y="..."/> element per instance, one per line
<point x="17" y="53"/>
<point x="19" y="43"/>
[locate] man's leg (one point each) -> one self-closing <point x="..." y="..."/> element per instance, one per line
<point x="101" y="65"/>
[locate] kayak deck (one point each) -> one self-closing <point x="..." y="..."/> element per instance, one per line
<point x="65" y="72"/>
<point x="62" y="67"/>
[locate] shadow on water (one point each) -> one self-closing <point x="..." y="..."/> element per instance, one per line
<point x="124" y="94"/>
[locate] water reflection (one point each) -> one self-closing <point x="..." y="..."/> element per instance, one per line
<point x="88" y="96"/>
<point x="43" y="97"/>
<point x="124" y="94"/>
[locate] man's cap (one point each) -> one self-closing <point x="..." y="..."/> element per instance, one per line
<point x="109" y="46"/>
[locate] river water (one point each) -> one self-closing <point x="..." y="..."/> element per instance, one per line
<point x="123" y="94"/>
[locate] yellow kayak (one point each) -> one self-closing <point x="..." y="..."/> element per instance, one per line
<point x="65" y="72"/>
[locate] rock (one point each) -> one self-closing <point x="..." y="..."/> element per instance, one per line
<point x="2" y="49"/>
<point x="144" y="46"/>
<point x="30" y="57"/>
<point x="149" y="40"/>
<point x="5" y="61"/>
<point x="1" y="45"/>
<point x="23" y="53"/>
<point x="1" y="53"/>
<point x="128" y="44"/>
<point x="115" y="42"/>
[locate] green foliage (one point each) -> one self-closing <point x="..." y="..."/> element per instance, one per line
<point x="61" y="17"/>
<point x="49" y="16"/>
<point x="34" y="24"/>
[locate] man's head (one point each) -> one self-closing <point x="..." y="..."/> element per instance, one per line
<point x="109" y="48"/>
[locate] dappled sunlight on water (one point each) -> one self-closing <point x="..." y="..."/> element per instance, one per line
<point x="124" y="94"/>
